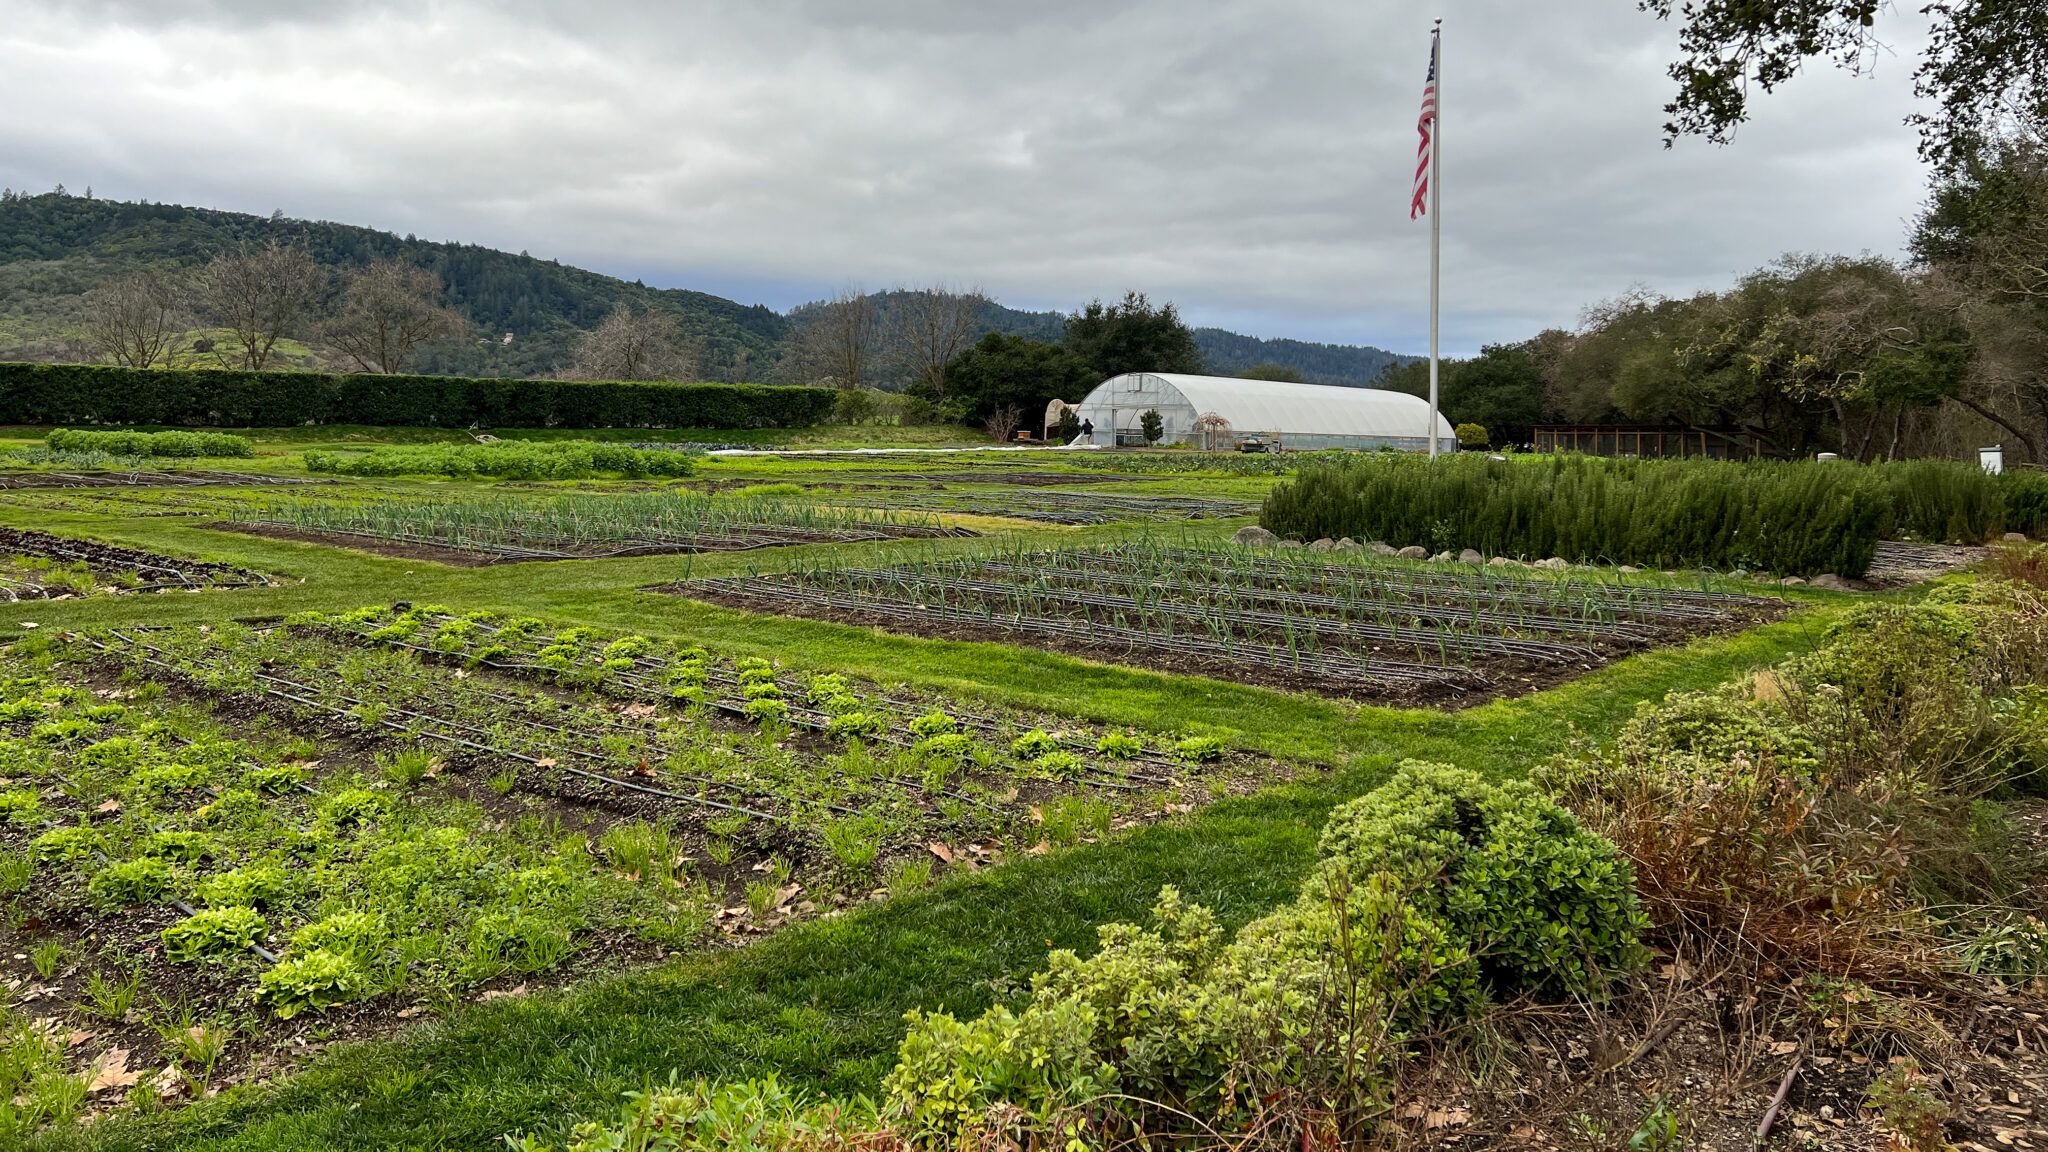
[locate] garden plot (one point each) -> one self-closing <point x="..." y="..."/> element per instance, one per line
<point x="182" y="478"/>
<point x="494" y="529"/>
<point x="360" y="817"/>
<point x="40" y="566"/>
<point x="1359" y="627"/>
<point x="1059" y="507"/>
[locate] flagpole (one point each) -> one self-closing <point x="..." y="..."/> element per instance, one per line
<point x="1436" y="222"/>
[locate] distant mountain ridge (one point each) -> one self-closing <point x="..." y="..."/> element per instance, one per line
<point x="55" y="247"/>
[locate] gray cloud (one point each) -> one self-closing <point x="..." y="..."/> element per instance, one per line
<point x="1250" y="162"/>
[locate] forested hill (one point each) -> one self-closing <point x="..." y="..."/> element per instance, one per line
<point x="54" y="247"/>
<point x="1351" y="365"/>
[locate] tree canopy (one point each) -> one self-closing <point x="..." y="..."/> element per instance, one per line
<point x="1985" y="67"/>
<point x="1132" y="336"/>
<point x="1003" y="371"/>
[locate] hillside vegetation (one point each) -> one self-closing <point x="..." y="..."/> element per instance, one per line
<point x="526" y="315"/>
<point x="54" y="248"/>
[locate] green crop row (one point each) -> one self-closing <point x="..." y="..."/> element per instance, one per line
<point x="102" y="394"/>
<point x="506" y="460"/>
<point x="1791" y="518"/>
<point x="149" y="443"/>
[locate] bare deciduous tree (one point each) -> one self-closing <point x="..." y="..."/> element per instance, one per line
<point x="629" y="345"/>
<point x="259" y="294"/>
<point x="388" y="310"/>
<point x="132" y="319"/>
<point x="933" y="323"/>
<point x="1003" y="421"/>
<point x="840" y="343"/>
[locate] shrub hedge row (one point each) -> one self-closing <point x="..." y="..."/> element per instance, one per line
<point x="150" y="443"/>
<point x="1788" y="518"/>
<point x="99" y="394"/>
<point x="505" y="460"/>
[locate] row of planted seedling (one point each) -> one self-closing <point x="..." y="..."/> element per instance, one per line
<point x="1054" y="506"/>
<point x="1372" y="619"/>
<point x="588" y="525"/>
<point x="138" y="837"/>
<point x="582" y="719"/>
<point x="755" y="690"/>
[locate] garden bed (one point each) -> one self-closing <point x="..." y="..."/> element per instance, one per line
<point x="42" y="566"/>
<point x="512" y="805"/>
<point x="1363" y="629"/>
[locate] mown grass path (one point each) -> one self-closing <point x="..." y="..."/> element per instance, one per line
<point x="821" y="1004"/>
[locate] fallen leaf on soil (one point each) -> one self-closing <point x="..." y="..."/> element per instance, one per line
<point x="409" y="1013"/>
<point x="1037" y="814"/>
<point x="110" y="806"/>
<point x="500" y="994"/>
<point x="1784" y="1047"/>
<point x="1413" y="1111"/>
<point x="640" y="709"/>
<point x="545" y="762"/>
<point x="1447" y="1117"/>
<point x="1040" y="848"/>
<point x="77" y="1038"/>
<point x="111" y="1071"/>
<point x="940" y="850"/>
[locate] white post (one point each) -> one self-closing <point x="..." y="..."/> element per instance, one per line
<point x="1436" y="221"/>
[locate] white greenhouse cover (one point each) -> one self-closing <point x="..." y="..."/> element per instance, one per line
<point x="1254" y="406"/>
<point x="1324" y="409"/>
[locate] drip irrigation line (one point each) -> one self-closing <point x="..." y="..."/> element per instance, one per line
<point x="1303" y="600"/>
<point x="462" y="742"/>
<point x="817" y="720"/>
<point x="729" y="708"/>
<point x="1386" y="672"/>
<point x="1237" y="616"/>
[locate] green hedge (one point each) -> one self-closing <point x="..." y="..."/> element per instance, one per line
<point x="506" y="460"/>
<point x="1789" y="518"/>
<point x="98" y="394"/>
<point x="150" y="443"/>
<point x="1793" y="518"/>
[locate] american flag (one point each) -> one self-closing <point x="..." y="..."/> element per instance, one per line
<point x="1418" y="205"/>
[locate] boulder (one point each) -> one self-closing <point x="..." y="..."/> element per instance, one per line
<point x="1793" y="581"/>
<point x="1324" y="545"/>
<point x="2014" y="537"/>
<point x="1380" y="548"/>
<point x="1553" y="563"/>
<point x="1834" y="583"/>
<point x="1347" y="544"/>
<point x="1628" y="569"/>
<point x="1503" y="562"/>
<point x="1255" y="537"/>
<point x="1288" y="544"/>
<point x="1738" y="574"/>
<point x="1469" y="556"/>
<point x="1413" y="552"/>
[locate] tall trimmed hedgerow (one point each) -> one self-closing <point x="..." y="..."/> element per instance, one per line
<point x="1780" y="517"/>
<point x="102" y="394"/>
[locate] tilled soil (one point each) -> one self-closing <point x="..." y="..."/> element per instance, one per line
<point x="1495" y="678"/>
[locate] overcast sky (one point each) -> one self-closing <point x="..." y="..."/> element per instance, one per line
<point x="1248" y="161"/>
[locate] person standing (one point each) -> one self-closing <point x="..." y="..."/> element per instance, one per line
<point x="1088" y="431"/>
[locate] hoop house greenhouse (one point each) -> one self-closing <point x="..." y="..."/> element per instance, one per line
<point x="1220" y="412"/>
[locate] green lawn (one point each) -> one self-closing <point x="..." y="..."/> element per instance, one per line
<point x="822" y="1004"/>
